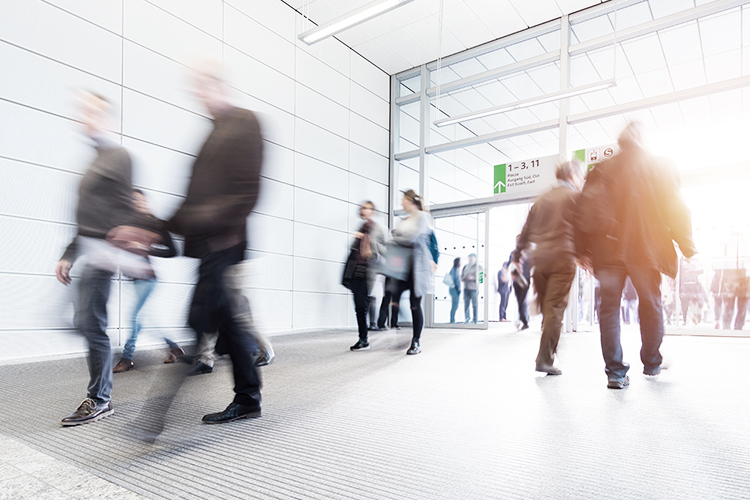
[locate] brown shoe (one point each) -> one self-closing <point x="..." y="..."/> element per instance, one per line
<point x="174" y="354"/>
<point x="123" y="365"/>
<point x="88" y="412"/>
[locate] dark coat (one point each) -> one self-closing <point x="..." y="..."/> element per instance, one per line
<point x="631" y="210"/>
<point x="224" y="186"/>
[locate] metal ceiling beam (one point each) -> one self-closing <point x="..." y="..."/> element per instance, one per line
<point x="601" y="10"/>
<point x="481" y="139"/>
<point x="656" y="25"/>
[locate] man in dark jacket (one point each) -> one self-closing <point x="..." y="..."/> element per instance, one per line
<point x="630" y="211"/>
<point x="104" y="202"/>
<point x="550" y="225"/>
<point x="223" y="190"/>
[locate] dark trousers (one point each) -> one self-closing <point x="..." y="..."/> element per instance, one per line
<point x="647" y="283"/>
<point x="552" y="281"/>
<point x="91" y="322"/>
<point x="729" y="301"/>
<point x="417" y="317"/>
<point x="504" y="296"/>
<point x="523" y="310"/>
<point x="455" y="294"/>
<point x="361" y="301"/>
<point x="211" y="311"/>
<point x="385" y="307"/>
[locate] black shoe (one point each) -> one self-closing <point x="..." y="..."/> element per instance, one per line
<point x="397" y="327"/>
<point x="233" y="412"/>
<point x="201" y="368"/>
<point x="88" y="412"/>
<point x="525" y="326"/>
<point x="360" y="346"/>
<point x="264" y="359"/>
<point x="414" y="349"/>
<point x="618" y="384"/>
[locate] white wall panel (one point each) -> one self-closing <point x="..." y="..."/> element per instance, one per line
<point x="167" y="306"/>
<point x="39" y="343"/>
<point x="203" y="14"/>
<point x="276" y="16"/>
<point x="62" y="36"/>
<point x="370" y="106"/>
<point x="276" y="124"/>
<point x="259" y="80"/>
<point x="271" y="309"/>
<point x="320" y="77"/>
<point x="48" y="85"/>
<point x="320" y="310"/>
<point x="369" y="164"/>
<point x="257" y="41"/>
<point x="276" y="199"/>
<point x="270" y="234"/>
<point x="315" y="242"/>
<point x="157" y="122"/>
<point x="329" y="51"/>
<point x="33" y="136"/>
<point x="322" y="111"/>
<point x="320" y="210"/>
<point x="158" y="76"/>
<point x="321" y="144"/>
<point x="38" y="192"/>
<point x="321" y="177"/>
<point x="156" y="167"/>
<point x="367" y="134"/>
<point x="361" y="189"/>
<point x="278" y="163"/>
<point x="272" y="271"/>
<point x="105" y="13"/>
<point x="164" y="33"/>
<point x="318" y="276"/>
<point x="370" y="77"/>
<point x="39" y="249"/>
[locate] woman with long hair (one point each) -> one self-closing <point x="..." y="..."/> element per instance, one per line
<point x="455" y="287"/>
<point x="414" y="232"/>
<point x="368" y="244"/>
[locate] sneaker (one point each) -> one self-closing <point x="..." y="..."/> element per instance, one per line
<point x="264" y="359"/>
<point x="360" y="346"/>
<point x="415" y="348"/>
<point x="88" y="412"/>
<point x="618" y="384"/>
<point x="123" y="365"/>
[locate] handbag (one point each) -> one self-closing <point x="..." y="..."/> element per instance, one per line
<point x="397" y="261"/>
<point x="349" y="268"/>
<point x="448" y="280"/>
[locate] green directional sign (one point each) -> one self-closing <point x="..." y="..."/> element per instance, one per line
<point x="501" y="182"/>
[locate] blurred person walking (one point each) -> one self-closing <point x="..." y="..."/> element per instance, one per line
<point x="223" y="190"/>
<point x="629" y="303"/>
<point x="359" y="274"/>
<point x="551" y="226"/>
<point x="414" y="232"/>
<point x="503" y="288"/>
<point x="104" y="202"/>
<point x="629" y="213"/>
<point x="163" y="246"/>
<point x="454" y="288"/>
<point x="521" y="275"/>
<point x="469" y="278"/>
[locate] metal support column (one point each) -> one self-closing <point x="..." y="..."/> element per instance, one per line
<point x="424" y="130"/>
<point x="393" y="169"/>
<point x="564" y="84"/>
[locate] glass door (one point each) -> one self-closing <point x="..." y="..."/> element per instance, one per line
<point x="463" y="258"/>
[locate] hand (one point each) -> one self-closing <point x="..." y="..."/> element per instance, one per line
<point x="358" y="235"/>
<point x="434" y="266"/>
<point x="62" y="271"/>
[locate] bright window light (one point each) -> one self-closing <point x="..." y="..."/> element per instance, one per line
<point x="350" y="19"/>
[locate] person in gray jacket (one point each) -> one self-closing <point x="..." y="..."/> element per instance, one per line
<point x="368" y="244"/>
<point x="414" y="232"/>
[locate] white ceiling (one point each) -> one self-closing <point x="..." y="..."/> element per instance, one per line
<point x="408" y="36"/>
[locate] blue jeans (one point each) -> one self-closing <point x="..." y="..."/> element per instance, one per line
<point x="470" y="298"/>
<point x="91" y="322"/>
<point x="455" y="294"/>
<point x="647" y="283"/>
<point x="143" y="289"/>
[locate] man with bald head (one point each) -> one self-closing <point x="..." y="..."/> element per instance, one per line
<point x="630" y="212"/>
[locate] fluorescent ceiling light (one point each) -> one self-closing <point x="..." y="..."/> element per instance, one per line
<point x="350" y="19"/>
<point x="555" y="96"/>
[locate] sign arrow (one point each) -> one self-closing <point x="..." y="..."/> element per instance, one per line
<point x="499" y="183"/>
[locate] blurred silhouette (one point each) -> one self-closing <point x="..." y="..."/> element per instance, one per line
<point x="630" y="211"/>
<point x="413" y="233"/>
<point x="693" y="297"/>
<point x="359" y="271"/>
<point x="551" y="226"/>
<point x="223" y="190"/>
<point x="503" y="288"/>
<point x="470" y="279"/>
<point x="520" y="272"/>
<point x="161" y="246"/>
<point x="104" y="203"/>
<point x="454" y="287"/>
<point x="629" y="304"/>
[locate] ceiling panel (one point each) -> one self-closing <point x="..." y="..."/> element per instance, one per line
<point x="724" y="66"/>
<point x="645" y="54"/>
<point x="688" y="75"/>
<point x="660" y="8"/>
<point x="546" y="111"/>
<point x="681" y="44"/>
<point x="631" y="16"/>
<point x="604" y="60"/>
<point x="522" y="86"/>
<point x="525" y="50"/>
<point x="569" y="6"/>
<point x="496" y="59"/>
<point x="546" y="77"/>
<point x="598" y="100"/>
<point x="497" y="93"/>
<point x="655" y="83"/>
<point x="627" y="90"/>
<point x="455" y="21"/>
<point x="582" y="71"/>
<point x="498" y="16"/>
<point x="538" y="11"/>
<point x="721" y="33"/>
<point x="426" y="31"/>
<point x="550" y="41"/>
<point x="593" y="28"/>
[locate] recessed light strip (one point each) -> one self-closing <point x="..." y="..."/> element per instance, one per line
<point x="556" y="96"/>
<point x="350" y="19"/>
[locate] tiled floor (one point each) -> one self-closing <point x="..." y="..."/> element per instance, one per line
<point x="466" y="419"/>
